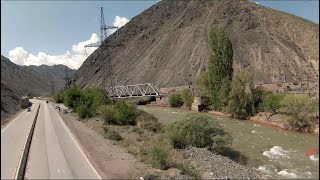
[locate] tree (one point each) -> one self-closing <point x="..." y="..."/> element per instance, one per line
<point x="238" y="99"/>
<point x="220" y="64"/>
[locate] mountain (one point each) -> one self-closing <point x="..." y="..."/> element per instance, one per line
<point x="33" y="80"/>
<point x="17" y="81"/>
<point x="167" y="44"/>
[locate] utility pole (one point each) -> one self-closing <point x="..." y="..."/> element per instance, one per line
<point x="103" y="36"/>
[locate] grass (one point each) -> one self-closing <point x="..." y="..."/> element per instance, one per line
<point x="112" y="134"/>
<point x="188" y="169"/>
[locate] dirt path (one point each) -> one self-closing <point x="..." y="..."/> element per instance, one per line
<point x="111" y="161"/>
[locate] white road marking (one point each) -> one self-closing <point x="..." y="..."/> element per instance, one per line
<point x="58" y="170"/>
<point x="76" y="144"/>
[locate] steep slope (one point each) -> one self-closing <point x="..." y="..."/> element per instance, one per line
<point x="167" y="44"/>
<point x="10" y="102"/>
<point x="32" y="80"/>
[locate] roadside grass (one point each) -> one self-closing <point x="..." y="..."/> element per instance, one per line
<point x="187" y="168"/>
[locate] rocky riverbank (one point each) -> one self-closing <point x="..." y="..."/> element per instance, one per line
<point x="216" y="166"/>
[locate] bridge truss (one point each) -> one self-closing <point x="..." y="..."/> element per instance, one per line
<point x="137" y="90"/>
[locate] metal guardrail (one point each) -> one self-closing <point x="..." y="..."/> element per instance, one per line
<point x="23" y="163"/>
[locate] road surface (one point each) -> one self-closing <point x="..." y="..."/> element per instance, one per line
<point x="13" y="138"/>
<point x="54" y="152"/>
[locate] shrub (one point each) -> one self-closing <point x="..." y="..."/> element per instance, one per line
<point x="300" y="107"/>
<point x="238" y="99"/>
<point x="72" y="97"/>
<point x="108" y="113"/>
<point x="149" y="122"/>
<point x="186" y="168"/>
<point x="126" y="113"/>
<point x="175" y="100"/>
<point x="272" y="101"/>
<point x="198" y="131"/>
<point x="158" y="154"/>
<point x="187" y="97"/>
<point x="58" y="98"/>
<point x="112" y="134"/>
<point x="120" y="114"/>
<point x="83" y="111"/>
<point x="203" y="83"/>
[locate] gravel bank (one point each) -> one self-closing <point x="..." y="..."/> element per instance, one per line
<point x="217" y="167"/>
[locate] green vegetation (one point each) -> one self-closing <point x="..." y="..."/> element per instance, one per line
<point x="186" y="168"/>
<point x="187" y="97"/>
<point x="175" y="100"/>
<point x="220" y="64"/>
<point x="112" y="134"/>
<point x="300" y="108"/>
<point x="122" y="113"/>
<point x="148" y="121"/>
<point x="108" y="114"/>
<point x="85" y="103"/>
<point x="158" y="154"/>
<point x="198" y="131"/>
<point x="271" y="101"/>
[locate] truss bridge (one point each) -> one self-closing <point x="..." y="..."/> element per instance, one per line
<point x="137" y="90"/>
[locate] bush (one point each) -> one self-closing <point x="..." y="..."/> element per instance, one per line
<point x="112" y="134"/>
<point x="175" y="100"/>
<point x="120" y="114"/>
<point x="72" y="97"/>
<point x="199" y="131"/>
<point x="238" y="99"/>
<point x="187" y="97"/>
<point x="83" y="111"/>
<point x="126" y="113"/>
<point x="58" y="98"/>
<point x="301" y="108"/>
<point x="108" y="113"/>
<point x="158" y="154"/>
<point x="203" y="83"/>
<point x="149" y="122"/>
<point x="271" y="102"/>
<point x="186" y="168"/>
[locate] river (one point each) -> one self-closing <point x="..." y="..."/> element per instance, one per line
<point x="272" y="152"/>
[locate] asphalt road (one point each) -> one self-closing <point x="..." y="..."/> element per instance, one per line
<point x="13" y="138"/>
<point x="54" y="152"/>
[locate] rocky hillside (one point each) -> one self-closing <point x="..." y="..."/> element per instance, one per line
<point x="17" y="81"/>
<point x="167" y="44"/>
<point x="33" y="80"/>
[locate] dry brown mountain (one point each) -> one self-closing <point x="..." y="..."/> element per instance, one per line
<point x="17" y="81"/>
<point x="167" y="44"/>
<point x="33" y="80"/>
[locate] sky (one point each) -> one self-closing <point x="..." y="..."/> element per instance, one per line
<point x="55" y="32"/>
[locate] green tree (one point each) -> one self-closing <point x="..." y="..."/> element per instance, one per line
<point x="203" y="83"/>
<point x="220" y="64"/>
<point x="238" y="99"/>
<point x="175" y="100"/>
<point x="187" y="97"/>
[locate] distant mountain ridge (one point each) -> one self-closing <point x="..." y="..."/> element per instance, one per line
<point x="17" y="81"/>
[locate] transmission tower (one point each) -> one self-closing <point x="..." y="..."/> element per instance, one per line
<point x="108" y="71"/>
<point x="103" y="32"/>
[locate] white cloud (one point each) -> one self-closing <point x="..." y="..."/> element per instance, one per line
<point x="118" y="22"/>
<point x="18" y="55"/>
<point x="73" y="60"/>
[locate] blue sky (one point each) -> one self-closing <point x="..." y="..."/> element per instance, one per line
<point x="49" y="30"/>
